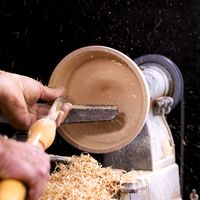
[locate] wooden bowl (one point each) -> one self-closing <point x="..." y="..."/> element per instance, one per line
<point x="105" y="76"/>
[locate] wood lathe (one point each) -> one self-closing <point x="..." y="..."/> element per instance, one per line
<point x="139" y="139"/>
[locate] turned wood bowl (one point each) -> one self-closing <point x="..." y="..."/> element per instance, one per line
<point x="101" y="75"/>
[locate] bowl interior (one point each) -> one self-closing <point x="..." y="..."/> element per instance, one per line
<point x="101" y="75"/>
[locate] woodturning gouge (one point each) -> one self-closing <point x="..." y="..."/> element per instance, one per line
<point x="42" y="134"/>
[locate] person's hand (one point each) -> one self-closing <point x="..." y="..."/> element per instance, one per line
<point x="26" y="163"/>
<point x="18" y="100"/>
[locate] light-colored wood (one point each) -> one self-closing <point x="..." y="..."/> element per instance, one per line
<point x="11" y="189"/>
<point x="101" y="75"/>
<point x="42" y="133"/>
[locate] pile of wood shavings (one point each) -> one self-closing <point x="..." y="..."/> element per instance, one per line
<point x="83" y="179"/>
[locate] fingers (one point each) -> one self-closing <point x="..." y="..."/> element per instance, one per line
<point x="21" y="119"/>
<point x="39" y="110"/>
<point x="26" y="163"/>
<point x="36" y="191"/>
<point x="37" y="187"/>
<point x="63" y="113"/>
<point x="42" y="173"/>
<point x="49" y="94"/>
<point x="43" y="110"/>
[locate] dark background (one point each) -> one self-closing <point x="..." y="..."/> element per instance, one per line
<point x="35" y="35"/>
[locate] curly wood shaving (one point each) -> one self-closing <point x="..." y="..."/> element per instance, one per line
<point x="83" y="179"/>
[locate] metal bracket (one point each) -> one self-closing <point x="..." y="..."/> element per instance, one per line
<point x="162" y="105"/>
<point x="132" y="187"/>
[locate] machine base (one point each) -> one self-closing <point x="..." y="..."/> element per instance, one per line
<point x="162" y="184"/>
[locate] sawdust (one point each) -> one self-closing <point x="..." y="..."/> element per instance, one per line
<point x="83" y="179"/>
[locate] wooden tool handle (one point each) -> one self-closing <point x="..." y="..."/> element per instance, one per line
<point x="11" y="189"/>
<point x="41" y="134"/>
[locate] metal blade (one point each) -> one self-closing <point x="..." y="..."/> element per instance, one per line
<point x="91" y="113"/>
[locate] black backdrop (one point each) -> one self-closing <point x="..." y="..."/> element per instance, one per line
<point x="36" y="34"/>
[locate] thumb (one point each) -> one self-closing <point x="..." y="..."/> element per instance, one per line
<point x="49" y="94"/>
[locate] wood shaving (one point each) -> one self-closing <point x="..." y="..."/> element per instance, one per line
<point x="83" y="179"/>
